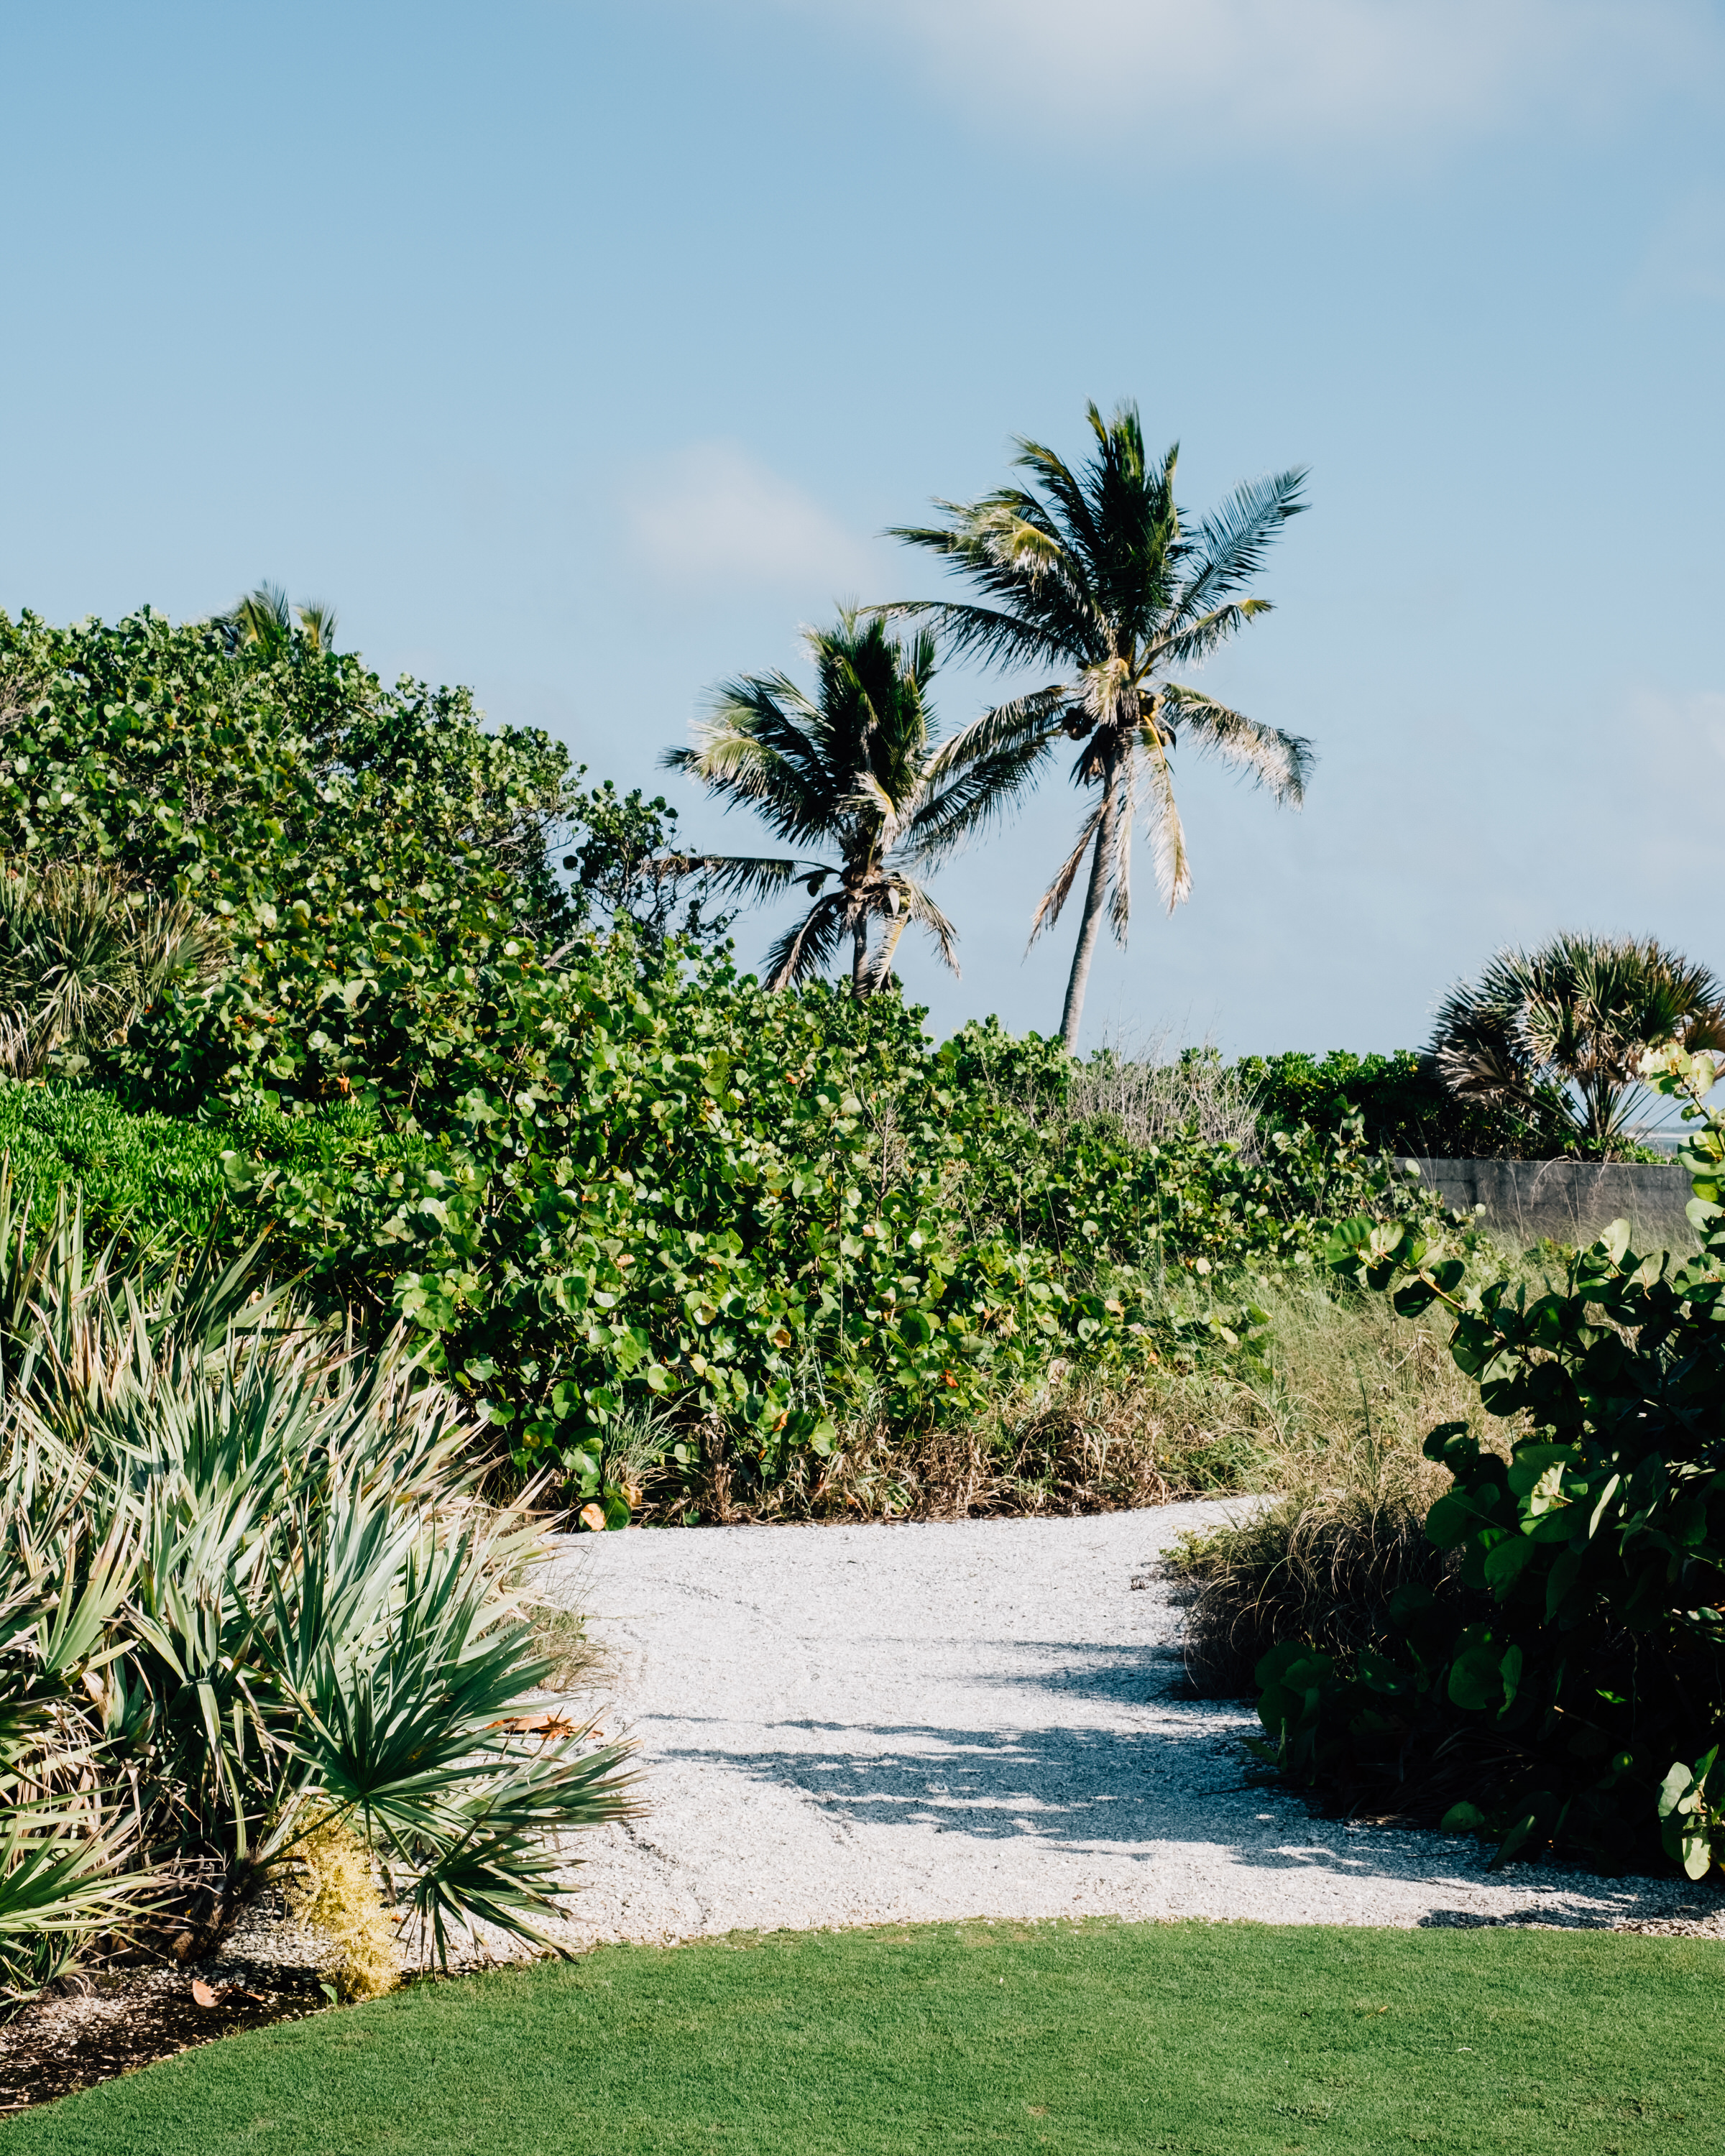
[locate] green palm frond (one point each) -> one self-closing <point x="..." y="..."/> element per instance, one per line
<point x="966" y="796"/>
<point x="803" y="951"/>
<point x="1232" y="542"/>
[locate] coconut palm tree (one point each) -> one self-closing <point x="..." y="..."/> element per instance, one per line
<point x="847" y="769"/>
<point x="1098" y="573"/>
<point x="261" y="625"/>
<point x="1561" y="1031"/>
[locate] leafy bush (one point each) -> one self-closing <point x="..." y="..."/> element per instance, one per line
<point x="1555" y="1698"/>
<point x="613" y="1186"/>
<point x="246" y="1590"/>
<point x="609" y="1193"/>
<point x="1403" y="1103"/>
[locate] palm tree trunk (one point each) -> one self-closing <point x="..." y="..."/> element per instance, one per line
<point x="859" y="959"/>
<point x="1094" y="897"/>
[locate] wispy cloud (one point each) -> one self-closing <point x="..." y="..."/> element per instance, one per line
<point x="1147" y="75"/>
<point x="711" y="517"/>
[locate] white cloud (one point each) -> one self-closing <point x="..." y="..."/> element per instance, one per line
<point x="1287" y="73"/>
<point x="712" y="516"/>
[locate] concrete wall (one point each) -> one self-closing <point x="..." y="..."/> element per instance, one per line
<point x="1571" y="1201"/>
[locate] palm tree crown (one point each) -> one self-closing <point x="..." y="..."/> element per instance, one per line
<point x="1563" y="1029"/>
<point x="1096" y="573"/>
<point x="847" y="770"/>
<point x="261" y="625"/>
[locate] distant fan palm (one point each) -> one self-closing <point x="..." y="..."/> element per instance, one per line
<point x="1098" y="573"/>
<point x="1561" y="1029"/>
<point x="847" y="770"/>
<point x="83" y="955"/>
<point x="261" y="624"/>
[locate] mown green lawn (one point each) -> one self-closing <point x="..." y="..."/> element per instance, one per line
<point x="1228" y="2039"/>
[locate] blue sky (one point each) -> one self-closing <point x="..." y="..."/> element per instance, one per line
<point x="581" y="353"/>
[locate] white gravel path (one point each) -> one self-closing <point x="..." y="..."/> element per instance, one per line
<point x="870" y="1724"/>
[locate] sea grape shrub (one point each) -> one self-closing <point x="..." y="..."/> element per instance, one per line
<point x="1404" y="1106"/>
<point x="1553" y="1700"/>
<point x="337" y="828"/>
<point x="609" y="1188"/>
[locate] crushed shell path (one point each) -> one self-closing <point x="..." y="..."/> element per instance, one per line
<point x="852" y="1725"/>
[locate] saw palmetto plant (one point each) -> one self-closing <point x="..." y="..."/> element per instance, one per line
<point x="84" y="952"/>
<point x="849" y="770"/>
<point x="247" y="1588"/>
<point x="1561" y="1031"/>
<point x="1099" y="574"/>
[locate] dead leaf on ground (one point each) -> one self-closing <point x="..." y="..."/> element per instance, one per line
<point x="201" y="1993"/>
<point x="552" y="1722"/>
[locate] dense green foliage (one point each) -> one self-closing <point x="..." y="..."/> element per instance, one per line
<point x="1100" y="2039"/>
<point x="243" y="1591"/>
<point x="1403" y="1104"/>
<point x="615" y="1188"/>
<point x="313" y="813"/>
<point x="1564" y="1685"/>
<point x="753" y="1214"/>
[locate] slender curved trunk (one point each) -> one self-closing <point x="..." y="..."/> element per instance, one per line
<point x="859" y="959"/>
<point x="1096" y="897"/>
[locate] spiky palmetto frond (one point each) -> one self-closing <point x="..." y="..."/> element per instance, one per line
<point x="247" y="1585"/>
<point x="1566" y="1026"/>
<point x="1094" y="572"/>
<point x="854" y="768"/>
<point x="84" y="952"/>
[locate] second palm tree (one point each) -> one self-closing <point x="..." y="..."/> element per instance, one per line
<point x="849" y="770"/>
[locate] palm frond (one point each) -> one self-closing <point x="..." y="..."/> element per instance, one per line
<point x="742" y="875"/>
<point x="1048" y="909"/>
<point x="1280" y="762"/>
<point x="915" y="905"/>
<point x="1120" y="874"/>
<point x="810" y="945"/>
<point x="1200" y="639"/>
<point x="1167" y="837"/>
<point x="974" y="795"/>
<point x="1031" y="722"/>
<point x="1232" y="543"/>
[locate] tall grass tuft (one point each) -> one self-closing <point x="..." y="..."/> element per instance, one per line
<point x="1353" y="1391"/>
